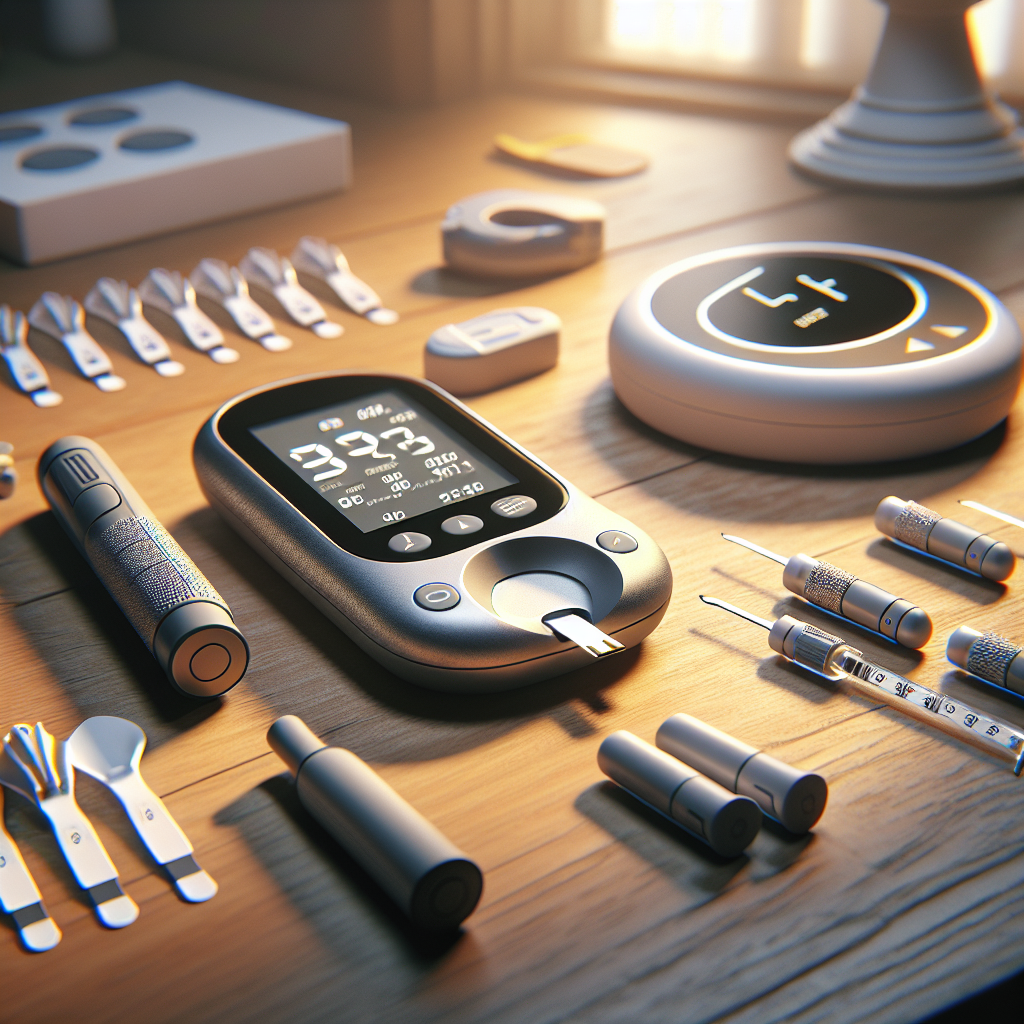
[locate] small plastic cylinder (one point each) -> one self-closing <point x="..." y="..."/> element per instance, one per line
<point x="988" y="656"/>
<point x="726" y="822"/>
<point x="790" y="796"/>
<point x="436" y="884"/>
<point x="919" y="527"/>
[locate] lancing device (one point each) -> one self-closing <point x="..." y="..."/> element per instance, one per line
<point x="433" y="881"/>
<point x="988" y="656"/>
<point x="184" y="622"/>
<point x="790" y="796"/>
<point x="841" y="593"/>
<point x="946" y="539"/>
<point x="726" y="822"/>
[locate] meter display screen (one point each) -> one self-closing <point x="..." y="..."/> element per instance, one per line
<point x="381" y="459"/>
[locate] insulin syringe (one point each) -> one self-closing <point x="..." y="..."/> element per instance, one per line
<point x="832" y="657"/>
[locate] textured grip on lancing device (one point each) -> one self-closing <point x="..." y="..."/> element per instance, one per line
<point x="146" y="572"/>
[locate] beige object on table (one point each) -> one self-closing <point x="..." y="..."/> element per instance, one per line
<point x="575" y="153"/>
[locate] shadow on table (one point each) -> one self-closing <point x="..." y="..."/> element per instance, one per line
<point x="355" y="918"/>
<point x="825" y="491"/>
<point x="691" y="865"/>
<point x="100" y="662"/>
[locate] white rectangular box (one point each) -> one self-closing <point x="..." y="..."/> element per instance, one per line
<point x="151" y="160"/>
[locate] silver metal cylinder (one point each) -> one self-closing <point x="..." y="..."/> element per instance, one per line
<point x="919" y="527"/>
<point x="988" y="656"/>
<point x="726" y="822"/>
<point x="841" y="593"/>
<point x="790" y="796"/>
<point x="433" y="881"/>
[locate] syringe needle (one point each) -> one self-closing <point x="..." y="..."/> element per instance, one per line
<point x="995" y="513"/>
<point x="751" y="546"/>
<point x="756" y="619"/>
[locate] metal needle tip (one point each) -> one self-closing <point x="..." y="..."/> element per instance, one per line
<point x="725" y="606"/>
<point x="751" y="546"/>
<point x="995" y="513"/>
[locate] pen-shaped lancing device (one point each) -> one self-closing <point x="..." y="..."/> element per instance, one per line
<point x="794" y="798"/>
<point x="433" y="881"/>
<point x="37" y="766"/>
<point x="946" y="539"/>
<point x="19" y="896"/>
<point x="832" y="657"/>
<point x="179" y="616"/>
<point x="988" y="656"/>
<point x="841" y="593"/>
<point x="726" y="822"/>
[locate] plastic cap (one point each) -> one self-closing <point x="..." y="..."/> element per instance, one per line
<point x="293" y="741"/>
<point x="998" y="563"/>
<point x="958" y="646"/>
<point x="915" y="629"/>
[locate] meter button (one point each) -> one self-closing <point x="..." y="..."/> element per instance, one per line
<point x="436" y="597"/>
<point x="617" y="541"/>
<point x="462" y="524"/>
<point x="409" y="543"/>
<point x="514" y="506"/>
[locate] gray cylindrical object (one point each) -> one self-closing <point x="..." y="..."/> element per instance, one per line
<point x="175" y="610"/>
<point x="790" y="796"/>
<point x="919" y="527"/>
<point x="988" y="656"/>
<point x="726" y="822"/>
<point x="841" y="593"/>
<point x="433" y="881"/>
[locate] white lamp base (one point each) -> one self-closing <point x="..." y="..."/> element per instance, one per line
<point x="922" y="119"/>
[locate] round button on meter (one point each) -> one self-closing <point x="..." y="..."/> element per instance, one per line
<point x="815" y="352"/>
<point x="436" y="597"/>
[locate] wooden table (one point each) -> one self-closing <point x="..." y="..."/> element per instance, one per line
<point x="906" y="897"/>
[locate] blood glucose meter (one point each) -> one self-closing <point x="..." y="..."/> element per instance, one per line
<point x="815" y="352"/>
<point x="443" y="549"/>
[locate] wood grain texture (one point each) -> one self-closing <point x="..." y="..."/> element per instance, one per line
<point x="906" y="897"/>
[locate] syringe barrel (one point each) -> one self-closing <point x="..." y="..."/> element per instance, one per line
<point x="987" y="656"/>
<point x="840" y="592"/>
<point x="790" y="796"/>
<point x="919" y="527"/>
<point x="728" y="823"/>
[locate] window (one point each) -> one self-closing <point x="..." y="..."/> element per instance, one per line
<point x="810" y="43"/>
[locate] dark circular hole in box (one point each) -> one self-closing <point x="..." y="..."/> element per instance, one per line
<point x="59" y="158"/>
<point x="17" y="132"/>
<point x="153" y="141"/>
<point x="102" y="116"/>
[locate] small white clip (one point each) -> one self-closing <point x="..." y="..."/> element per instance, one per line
<point x="324" y="261"/>
<point x="174" y="295"/>
<point x="265" y="269"/>
<point x="37" y="766"/>
<point x="25" y="367"/>
<point x="63" y="318"/>
<point x="121" y="306"/>
<point x="222" y="284"/>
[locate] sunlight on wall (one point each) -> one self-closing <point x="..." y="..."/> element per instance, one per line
<point x="836" y="37"/>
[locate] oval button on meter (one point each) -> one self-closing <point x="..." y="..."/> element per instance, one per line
<point x="437" y="597"/>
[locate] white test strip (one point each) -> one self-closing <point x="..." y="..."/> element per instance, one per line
<point x="110" y="749"/>
<point x="265" y="269"/>
<point x="37" y="766"/>
<point x="226" y="286"/>
<point x="585" y="635"/>
<point x="61" y="317"/>
<point x="28" y="373"/>
<point x="20" y="896"/>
